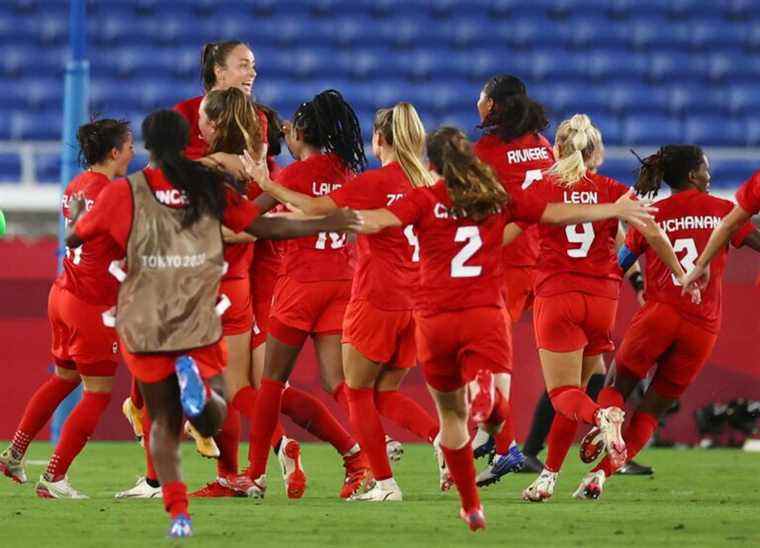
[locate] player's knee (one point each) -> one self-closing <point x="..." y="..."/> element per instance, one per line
<point x="70" y="375"/>
<point x="100" y="385"/>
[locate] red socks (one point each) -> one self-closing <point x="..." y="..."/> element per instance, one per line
<point x="150" y="472"/>
<point x="175" y="498"/>
<point x="561" y="437"/>
<point x="366" y="424"/>
<point x="407" y="413"/>
<point x="574" y="404"/>
<point x="636" y="435"/>
<point x="245" y="401"/>
<point x="228" y="440"/>
<point x="77" y="429"/>
<point x="312" y="415"/>
<point x="38" y="411"/>
<point x="263" y="424"/>
<point x="461" y="465"/>
<point x="610" y="397"/>
<point x="502" y="413"/>
<point x="340" y="395"/>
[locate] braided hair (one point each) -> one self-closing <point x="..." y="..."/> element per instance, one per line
<point x="514" y="113"/>
<point x="329" y="123"/>
<point x="672" y="164"/>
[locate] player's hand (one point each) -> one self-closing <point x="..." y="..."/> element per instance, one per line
<point x="695" y="280"/>
<point x="77" y="206"/>
<point x="230" y="163"/>
<point x="640" y="298"/>
<point x="636" y="212"/>
<point x="343" y="220"/>
<point x="256" y="169"/>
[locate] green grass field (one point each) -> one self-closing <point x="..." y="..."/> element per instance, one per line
<point x="696" y="498"/>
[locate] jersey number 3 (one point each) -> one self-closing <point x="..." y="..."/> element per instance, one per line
<point x="687" y="261"/>
<point x="470" y="235"/>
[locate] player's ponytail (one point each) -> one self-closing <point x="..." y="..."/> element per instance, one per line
<point x="214" y="55"/>
<point x="402" y="128"/>
<point x="672" y="164"/>
<point x="166" y="135"/>
<point x="328" y="123"/>
<point x="98" y="138"/>
<point x="579" y="149"/>
<point x="238" y="127"/>
<point x="513" y="113"/>
<point x="474" y="189"/>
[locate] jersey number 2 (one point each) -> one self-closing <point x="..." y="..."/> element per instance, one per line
<point x="471" y="235"/>
<point x="687" y="261"/>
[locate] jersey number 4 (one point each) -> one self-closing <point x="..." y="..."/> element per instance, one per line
<point x="471" y="236"/>
<point x="687" y="261"/>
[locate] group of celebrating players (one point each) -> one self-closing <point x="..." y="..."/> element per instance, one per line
<point x="207" y="271"/>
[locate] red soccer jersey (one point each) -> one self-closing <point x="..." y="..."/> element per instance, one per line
<point x="579" y="257"/>
<point x="325" y="256"/>
<point x="460" y="264"/>
<point x="85" y="268"/>
<point x="386" y="264"/>
<point x="748" y="195"/>
<point x="518" y="163"/>
<point x="688" y="218"/>
<point x="112" y="214"/>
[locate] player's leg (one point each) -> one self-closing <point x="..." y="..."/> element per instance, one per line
<point x="400" y="408"/>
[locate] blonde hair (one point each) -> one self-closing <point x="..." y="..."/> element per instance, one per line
<point x="237" y="123"/>
<point x="402" y="128"/>
<point x="579" y="149"/>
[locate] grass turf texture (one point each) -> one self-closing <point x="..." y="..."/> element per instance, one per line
<point x="696" y="498"/>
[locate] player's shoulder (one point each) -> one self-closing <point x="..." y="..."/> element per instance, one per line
<point x="88" y="182"/>
<point x="189" y="107"/>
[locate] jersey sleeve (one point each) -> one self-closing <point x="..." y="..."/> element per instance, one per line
<point x="239" y="213"/>
<point x="635" y="241"/>
<point x="526" y="207"/>
<point x="409" y="208"/>
<point x="358" y="194"/>
<point x="740" y="235"/>
<point x="111" y="214"/>
<point x="292" y="178"/>
<point x="748" y="195"/>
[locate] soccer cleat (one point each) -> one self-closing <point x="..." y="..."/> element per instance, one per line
<point x="475" y="519"/>
<point x="381" y="491"/>
<point x="445" y="480"/>
<point x="610" y="422"/>
<point x="181" y="527"/>
<point x="632" y="468"/>
<point x="482" y="396"/>
<point x="500" y="466"/>
<point x="592" y="445"/>
<point x="542" y="488"/>
<point x="292" y="471"/>
<point x="533" y="465"/>
<point x="482" y="443"/>
<point x="206" y="447"/>
<point x="192" y="390"/>
<point x="257" y="487"/>
<point x="133" y="416"/>
<point x="357" y="475"/>
<point x="141" y="490"/>
<point x="12" y="467"/>
<point x="591" y="487"/>
<point x="61" y="489"/>
<point x="219" y="488"/>
<point x="394" y="449"/>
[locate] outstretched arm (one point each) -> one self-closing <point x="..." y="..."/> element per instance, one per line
<point x="375" y="220"/>
<point x="281" y="228"/>
<point x="625" y="208"/>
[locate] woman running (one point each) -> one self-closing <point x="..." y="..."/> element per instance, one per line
<point x="460" y="329"/>
<point x="577" y="289"/>
<point x="83" y="348"/>
<point x="173" y="340"/>
<point x="669" y="331"/>
<point x="378" y="328"/>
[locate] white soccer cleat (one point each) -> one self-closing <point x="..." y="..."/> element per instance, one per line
<point x="258" y="487"/>
<point x="134" y="418"/>
<point x="610" y="422"/>
<point x="591" y="487"/>
<point x="12" y="467"/>
<point x="57" y="489"/>
<point x="293" y="475"/>
<point x="445" y="481"/>
<point x="394" y="449"/>
<point x="141" y="490"/>
<point x="542" y="488"/>
<point x="382" y="491"/>
<point x="206" y="447"/>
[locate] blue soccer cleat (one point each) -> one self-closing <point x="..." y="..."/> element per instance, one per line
<point x="482" y="443"/>
<point x="192" y="390"/>
<point x="500" y="466"/>
<point x="181" y="527"/>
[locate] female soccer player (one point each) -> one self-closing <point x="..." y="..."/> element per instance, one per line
<point x="172" y="340"/>
<point x="513" y="146"/>
<point x="83" y="348"/>
<point x="669" y="330"/>
<point x="577" y="288"/>
<point x="378" y="343"/>
<point x="460" y="329"/>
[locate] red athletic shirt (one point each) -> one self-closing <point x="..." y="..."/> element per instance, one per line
<point x="112" y="214"/>
<point x="518" y="163"/>
<point x="387" y="271"/>
<point x="266" y="253"/>
<point x="688" y="218"/>
<point x="460" y="264"/>
<point x="85" y="268"/>
<point x="748" y="195"/>
<point x="325" y="256"/>
<point x="579" y="257"/>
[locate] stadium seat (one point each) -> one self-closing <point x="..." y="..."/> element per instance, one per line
<point x="715" y="130"/>
<point x="652" y="130"/>
<point x="10" y="168"/>
<point x="48" y="168"/>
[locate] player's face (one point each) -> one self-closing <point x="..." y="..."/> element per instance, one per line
<point x="485" y="104"/>
<point x="376" y="144"/>
<point x="701" y="177"/>
<point x="205" y="125"/>
<point x="123" y="156"/>
<point x="239" y="70"/>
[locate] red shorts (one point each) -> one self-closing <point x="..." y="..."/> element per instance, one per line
<point x="659" y="335"/>
<point x="383" y="336"/>
<point x="262" y="289"/>
<point x="149" y="368"/>
<point x="453" y="346"/>
<point x="80" y="340"/>
<point x="238" y="318"/>
<point x="303" y="308"/>
<point x="518" y="290"/>
<point x="570" y="321"/>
